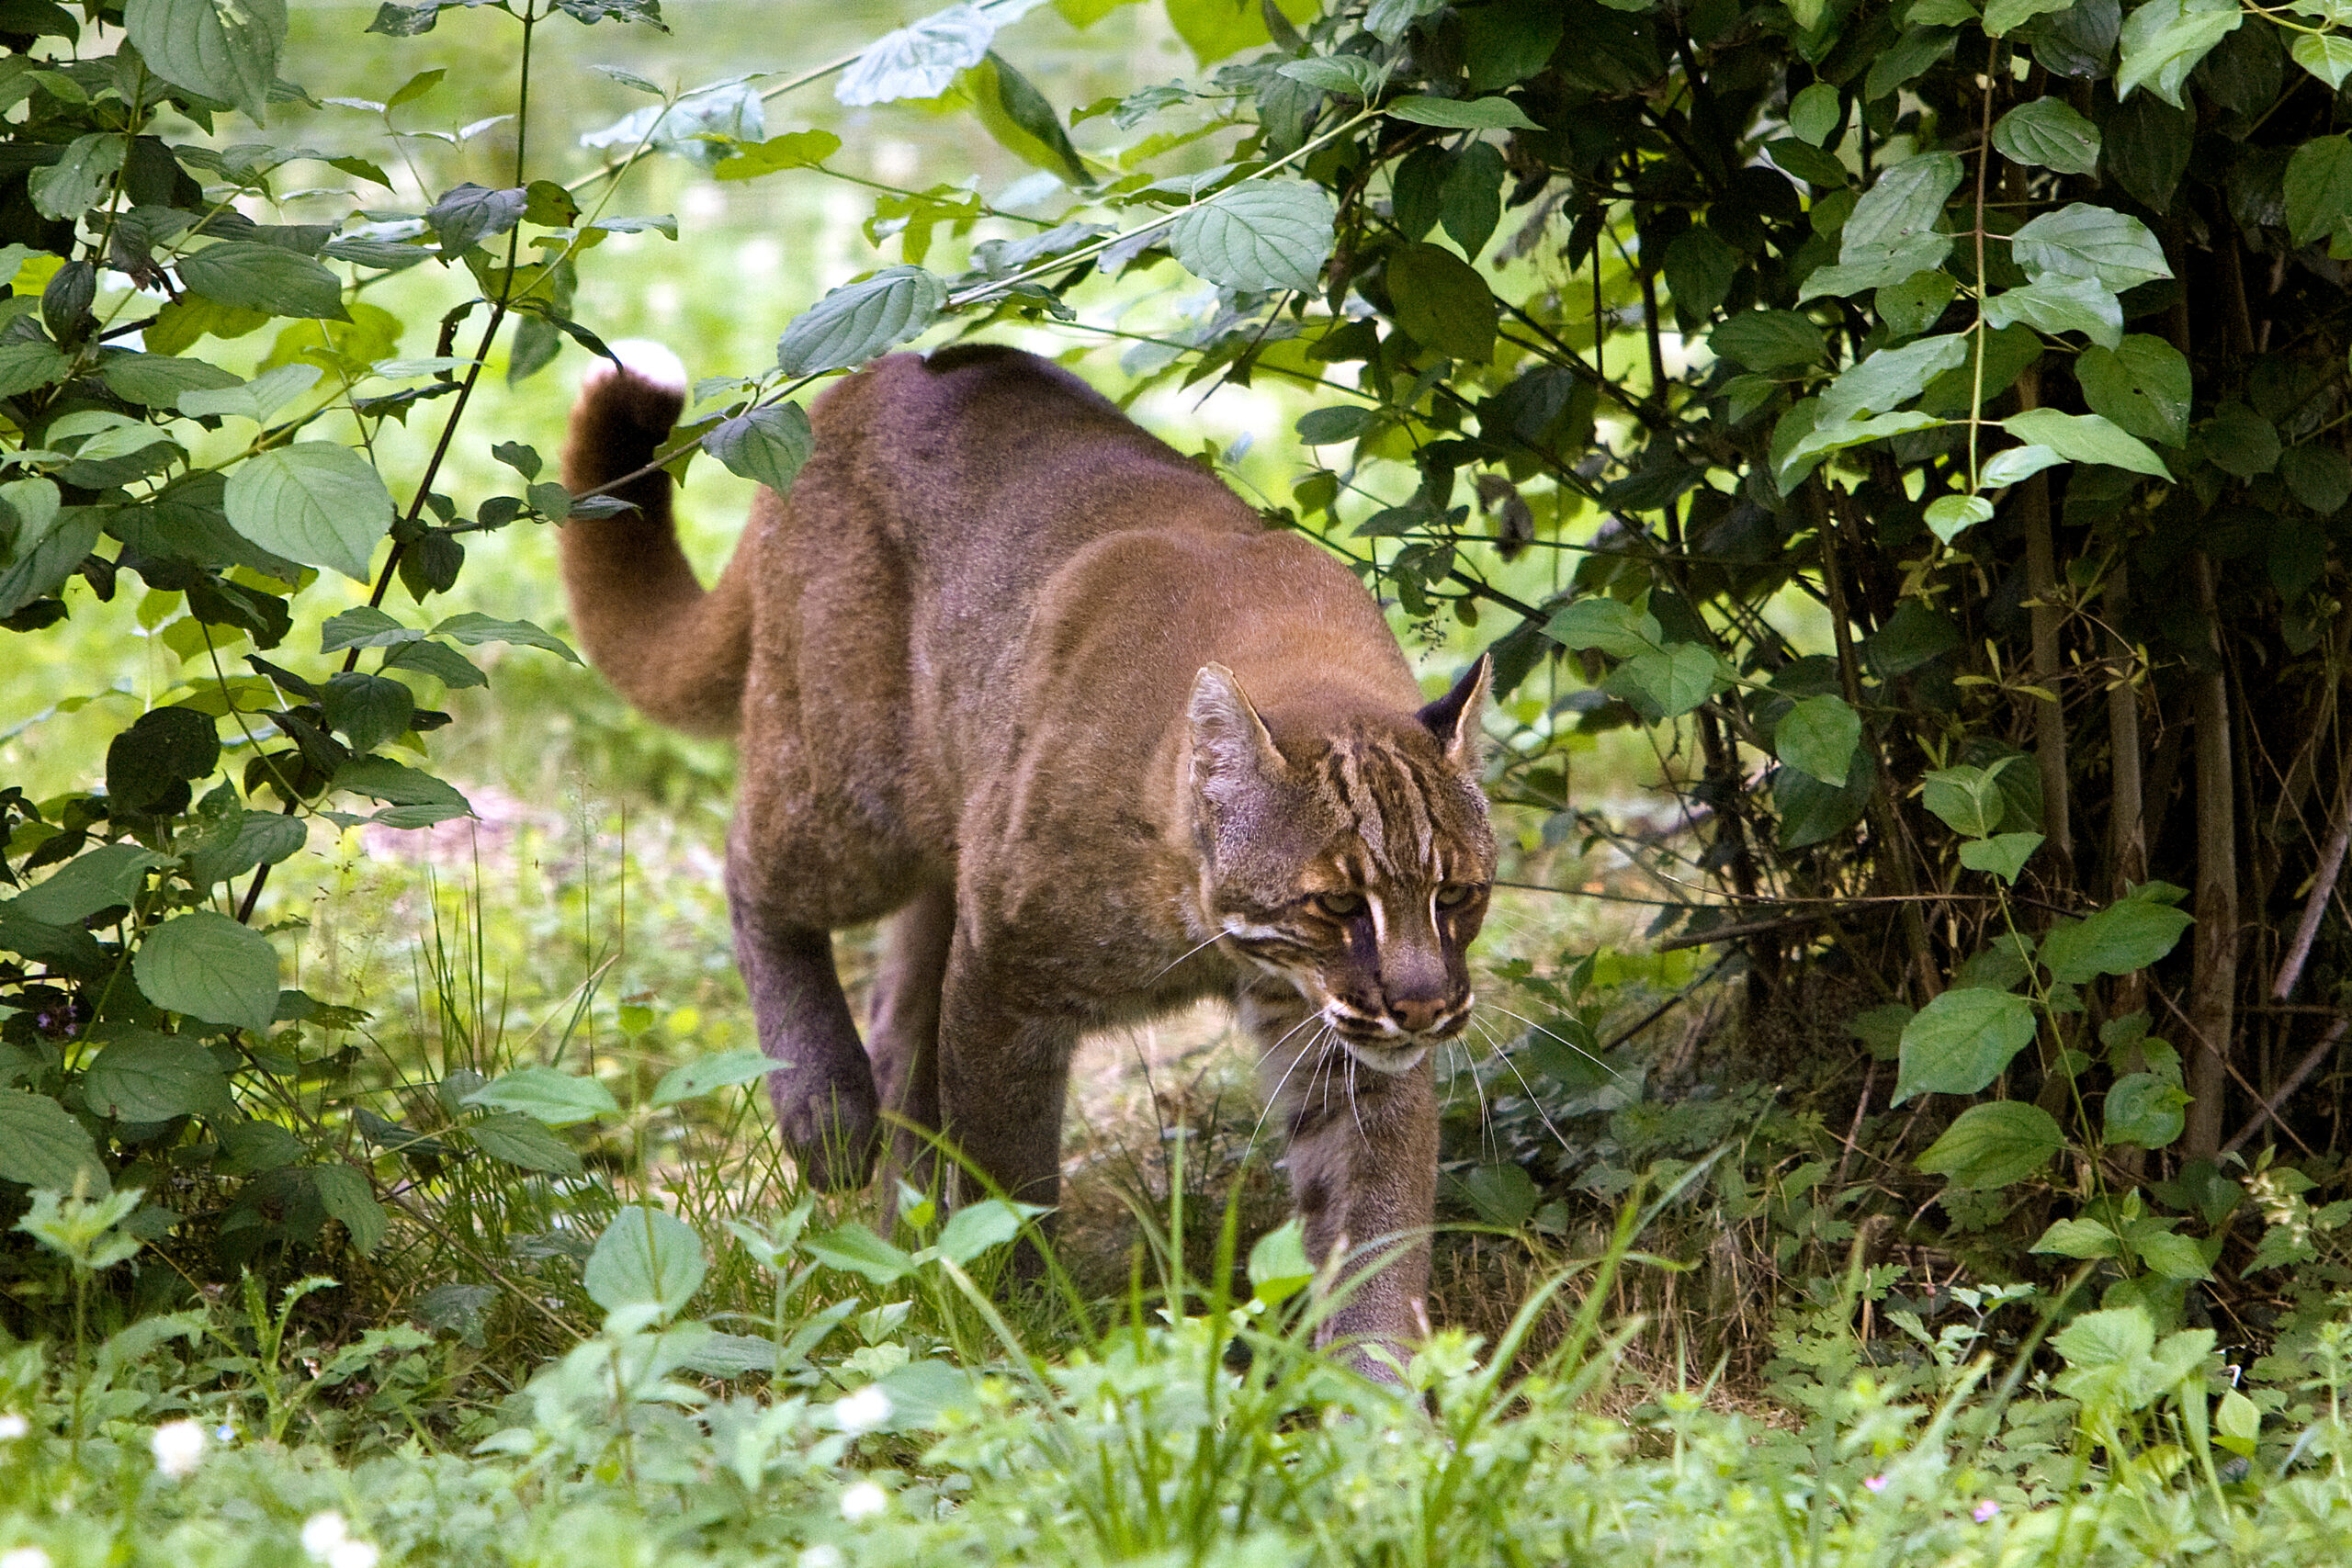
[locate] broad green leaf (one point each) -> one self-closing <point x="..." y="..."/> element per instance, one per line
<point x="646" y="1258"/>
<point x="1442" y="303"/>
<point x="2013" y="465"/>
<point x="474" y="628"/>
<point x="858" y="1250"/>
<point x="2240" y="441"/>
<point x="2320" y="476"/>
<point x="2003" y="16"/>
<point x="1260" y="234"/>
<point x="1022" y="119"/>
<point x="855" y="322"/>
<point x="521" y="1142"/>
<point x="793" y="150"/>
<point x="1819" y="735"/>
<point x="2128" y="935"/>
<point x="2080" y="1239"/>
<point x="1349" y="73"/>
<point x="256" y="400"/>
<point x="1968" y="798"/>
<point x="42" y="1145"/>
<point x="1960" y="1040"/>
<point x="691" y="1080"/>
<point x="2327" y="56"/>
<point x="208" y="966"/>
<point x="547" y="1094"/>
<point x="1614" y="627"/>
<point x="2174" y="1257"/>
<point x="975" y="1227"/>
<point x="2085" y="438"/>
<point x="268" y="278"/>
<point x="416" y="799"/>
<point x="1895" y="221"/>
<point x="1459" y="114"/>
<point x="2163" y="40"/>
<point x="1917" y="303"/>
<point x="1699" y="266"/>
<point x="2003" y="854"/>
<point x="1769" y="340"/>
<point x="1327" y="427"/>
<point x="918" y="61"/>
<point x="158" y="379"/>
<point x="2083" y="241"/>
<point x="2144" y="1109"/>
<point x="468" y="214"/>
<point x="1811" y="812"/>
<point x="223" y="49"/>
<point x="367" y="709"/>
<point x="364" y="625"/>
<point x="1670" y="681"/>
<point x="315" y="502"/>
<point x="1826" y="437"/>
<point x="96" y="879"/>
<point x="1216" y="28"/>
<point x="2055" y="303"/>
<point x="2142" y="384"/>
<point x="1948" y="516"/>
<point x="262" y="838"/>
<point x="1992" y="1146"/>
<point x="2047" y="133"/>
<point x="1913" y="50"/>
<point x="1279" y="1266"/>
<point x="2318" y="187"/>
<point x="1891" y="378"/>
<point x="1813" y="113"/>
<point x="1502" y="1193"/>
<point x="27" y="366"/>
<point x="766" y="444"/>
<point x="345" y="1195"/>
<point x="70" y="186"/>
<point x="166" y="748"/>
<point x="146" y="1076"/>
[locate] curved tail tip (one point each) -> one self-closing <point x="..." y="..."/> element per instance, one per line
<point x="645" y="359"/>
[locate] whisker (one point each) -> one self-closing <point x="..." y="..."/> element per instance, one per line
<point x="1354" y="1109"/>
<point x="1181" y="956"/>
<point x="1478" y="1085"/>
<point x="1534" y="1099"/>
<point x="1571" y="1045"/>
<point x="1273" y="1096"/>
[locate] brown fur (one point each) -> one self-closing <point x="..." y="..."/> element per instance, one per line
<point x="1008" y="670"/>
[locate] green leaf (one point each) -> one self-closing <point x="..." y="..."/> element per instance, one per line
<point x="521" y="1142"/>
<point x="2240" y="441"/>
<point x="2083" y="241"/>
<point x="766" y="444"/>
<point x="1811" y="812"/>
<point x="2003" y="854"/>
<point x="42" y="1146"/>
<point x="1458" y="114"/>
<point x="70" y="186"/>
<point x="2014" y="465"/>
<point x="1349" y="73"/>
<point x="468" y="214"/>
<point x="646" y="1258"/>
<point x="2085" y="438"/>
<point x="1699" y="266"/>
<point x="158" y="379"/>
<point x="1279" y="1266"/>
<point x="1260" y="234"/>
<point x="858" y="1250"/>
<point x="2327" y="56"/>
<point x="2163" y="40"/>
<point x="2144" y="1109"/>
<point x="555" y="1098"/>
<point x="918" y="61"/>
<point x="98" y="879"/>
<point x="2318" y="187"/>
<point x="855" y="322"/>
<point x="1893" y="224"/>
<point x="1968" y="799"/>
<point x="1502" y="1193"/>
<point x="208" y="966"/>
<point x="146" y="1076"/>
<point x="2001" y="16"/>
<point x="1663" y="684"/>
<point x="1912" y="306"/>
<point x="368" y="709"/>
<point x="473" y="628"/>
<point x="256" y="400"/>
<point x="1992" y="1146"/>
<point x="1813" y="113"/>
<point x="975" y="1227"/>
<point x="1769" y="340"/>
<point x="417" y="799"/>
<point x="223" y="49"/>
<point x="268" y="278"/>
<point x="2059" y="304"/>
<point x="2174" y="1257"/>
<point x="2048" y="134"/>
<point x="691" y="1080"/>
<point x="345" y="1195"/>
<point x="1960" y="1040"/>
<point x="1442" y="303"/>
<point x="1948" y="516"/>
<point x="793" y="150"/>
<point x="1891" y="378"/>
<point x="1912" y="51"/>
<point x="25" y="366"/>
<point x="315" y="502"/>
<point x="1826" y="437"/>
<point x="1614" y="627"/>
<point x="1022" y="120"/>
<point x="1819" y="736"/>
<point x="2319" y="477"/>
<point x="166" y="746"/>
<point x="2080" y="1239"/>
<point x="2142" y="384"/>
<point x="2125" y="937"/>
<point x="262" y="838"/>
<point x="363" y="627"/>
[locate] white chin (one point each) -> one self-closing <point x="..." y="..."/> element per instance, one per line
<point x="1389" y="1059"/>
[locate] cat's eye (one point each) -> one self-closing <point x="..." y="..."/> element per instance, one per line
<point x="1453" y="894"/>
<point x="1339" y="904"/>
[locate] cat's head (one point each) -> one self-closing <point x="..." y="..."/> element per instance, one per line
<point x="1349" y="855"/>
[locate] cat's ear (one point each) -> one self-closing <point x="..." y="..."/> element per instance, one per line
<point x="1457" y="718"/>
<point x="1231" y="751"/>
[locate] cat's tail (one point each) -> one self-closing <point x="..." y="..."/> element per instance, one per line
<point x="677" y="651"/>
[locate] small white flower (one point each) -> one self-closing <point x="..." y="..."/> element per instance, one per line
<point x="12" y="1426"/>
<point x="352" y="1554"/>
<point x="178" y="1447"/>
<point x="823" y="1555"/>
<point x="24" y="1556"/>
<point x="322" y="1533"/>
<point x="863" y="1411"/>
<point x="864" y="1501"/>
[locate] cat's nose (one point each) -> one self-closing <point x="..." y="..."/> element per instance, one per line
<point x="1416" y="1014"/>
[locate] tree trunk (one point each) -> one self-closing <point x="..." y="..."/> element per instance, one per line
<point x="2213" y="996"/>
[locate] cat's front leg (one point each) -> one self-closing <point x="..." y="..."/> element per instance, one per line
<point x="1003" y="1073"/>
<point x="1362" y="1162"/>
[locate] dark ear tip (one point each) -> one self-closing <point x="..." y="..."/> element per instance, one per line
<point x="1443" y="718"/>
